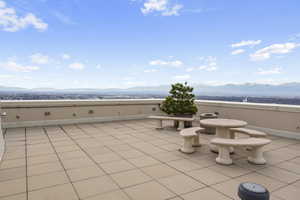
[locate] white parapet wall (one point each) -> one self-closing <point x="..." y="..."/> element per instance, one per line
<point x="283" y="120"/>
<point x="2" y="141"/>
<point x="276" y="119"/>
<point x="54" y="112"/>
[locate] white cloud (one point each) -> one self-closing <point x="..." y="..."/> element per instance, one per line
<point x="39" y="58"/>
<point x="210" y="64"/>
<point x="162" y="6"/>
<point x="173" y="10"/>
<point x="77" y="66"/>
<point x="13" y="66"/>
<point x="182" y="77"/>
<point x="266" y="53"/>
<point x="243" y="43"/>
<point x="150" y="70"/>
<point x="175" y="63"/>
<point x="11" y="22"/>
<point x="2" y="4"/>
<point x="128" y="78"/>
<point x="270" y="81"/>
<point x="65" y="56"/>
<point x="190" y="69"/>
<point x="211" y="67"/>
<point x="6" y="76"/>
<point x="98" y="66"/>
<point x="238" y="51"/>
<point x="275" y="70"/>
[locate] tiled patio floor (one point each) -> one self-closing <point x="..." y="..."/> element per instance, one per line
<point x="131" y="160"/>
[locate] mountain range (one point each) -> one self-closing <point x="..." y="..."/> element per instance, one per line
<point x="247" y="89"/>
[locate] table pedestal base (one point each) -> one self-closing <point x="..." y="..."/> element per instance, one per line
<point x="221" y="133"/>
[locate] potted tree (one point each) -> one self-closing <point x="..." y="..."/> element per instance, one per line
<point x="180" y="102"/>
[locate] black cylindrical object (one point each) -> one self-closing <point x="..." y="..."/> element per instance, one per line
<point x="253" y="191"/>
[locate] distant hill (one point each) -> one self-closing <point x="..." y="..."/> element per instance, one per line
<point x="247" y="89"/>
<point x="4" y="88"/>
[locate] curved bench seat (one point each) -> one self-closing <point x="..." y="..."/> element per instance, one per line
<point x="256" y="153"/>
<point x="190" y="139"/>
<point x="250" y="132"/>
<point x="244" y="142"/>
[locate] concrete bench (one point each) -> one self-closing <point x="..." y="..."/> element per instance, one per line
<point x="249" y="132"/>
<point x="190" y="139"/>
<point x="181" y="121"/>
<point x="256" y="145"/>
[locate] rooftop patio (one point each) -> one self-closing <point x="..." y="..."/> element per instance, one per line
<point x="131" y="160"/>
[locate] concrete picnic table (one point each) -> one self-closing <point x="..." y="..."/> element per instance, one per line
<point x="222" y="128"/>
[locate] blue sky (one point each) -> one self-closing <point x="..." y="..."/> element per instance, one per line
<point x="127" y="43"/>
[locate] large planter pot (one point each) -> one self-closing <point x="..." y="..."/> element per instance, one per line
<point x="186" y="124"/>
<point x="209" y="130"/>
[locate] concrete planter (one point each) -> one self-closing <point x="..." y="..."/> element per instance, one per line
<point x="209" y="130"/>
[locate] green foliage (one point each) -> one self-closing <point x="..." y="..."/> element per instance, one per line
<point x="180" y="101"/>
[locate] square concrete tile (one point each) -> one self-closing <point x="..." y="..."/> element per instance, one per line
<point x="184" y="165"/>
<point x="168" y="156"/>
<point x="97" y="150"/>
<point x="290" y="166"/>
<point x="85" y="173"/>
<point x="60" y="192"/>
<point x="149" y="191"/>
<point x="116" y="166"/>
<point x="6" y="164"/>
<point x="94" y="186"/>
<point x="170" y="147"/>
<point x="61" y="149"/>
<point x="12" y="187"/>
<point x="12" y="173"/>
<point x="204" y="161"/>
<point x="33" y="160"/>
<point x="115" y="195"/>
<point x="108" y="157"/>
<point x="14" y="155"/>
<point x="143" y="161"/>
<point x="129" y="178"/>
<point x="121" y="147"/>
<point x="131" y="154"/>
<point x="208" y="176"/>
<point x="38" y="151"/>
<point x="44" y="168"/>
<point x="288" y="193"/>
<point x="231" y="170"/>
<point x="71" y="155"/>
<point x="280" y="174"/>
<point x="205" y="193"/>
<point x="15" y="197"/>
<point x="296" y="184"/>
<point x="229" y="188"/>
<point x="77" y="163"/>
<point x="296" y="160"/>
<point x="160" y="171"/>
<point x="46" y="180"/>
<point x="181" y="184"/>
<point x="68" y="142"/>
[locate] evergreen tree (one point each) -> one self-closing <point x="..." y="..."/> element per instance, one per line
<point x="180" y="101"/>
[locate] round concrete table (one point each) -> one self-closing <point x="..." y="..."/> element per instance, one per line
<point x="222" y="128"/>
